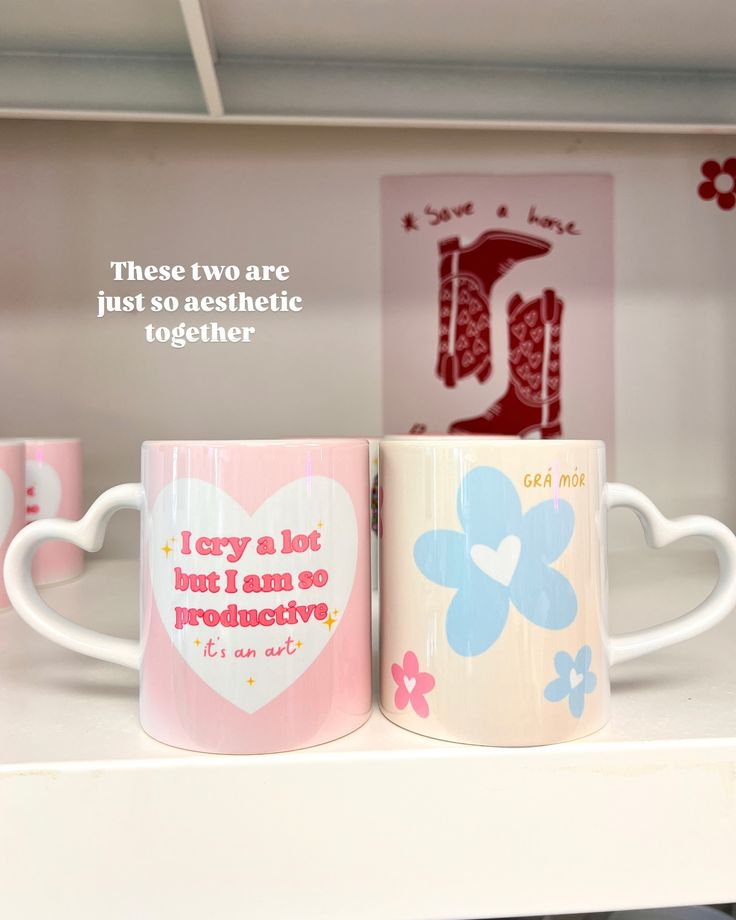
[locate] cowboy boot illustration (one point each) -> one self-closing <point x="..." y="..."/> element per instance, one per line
<point x="467" y="275"/>
<point x="530" y="407"/>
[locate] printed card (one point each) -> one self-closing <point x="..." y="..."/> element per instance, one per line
<point x="498" y="305"/>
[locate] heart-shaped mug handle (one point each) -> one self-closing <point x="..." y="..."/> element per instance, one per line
<point x="661" y="531"/>
<point x="88" y="533"/>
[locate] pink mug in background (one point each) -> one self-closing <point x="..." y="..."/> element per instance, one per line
<point x="12" y="494"/>
<point x="54" y="489"/>
<point x="255" y="591"/>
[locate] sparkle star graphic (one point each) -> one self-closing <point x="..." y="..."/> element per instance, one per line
<point x="198" y="642"/>
<point x="166" y="549"/>
<point x="332" y="619"/>
<point x="320" y="525"/>
<point x="409" y="222"/>
<point x="299" y="644"/>
<point x="250" y="681"/>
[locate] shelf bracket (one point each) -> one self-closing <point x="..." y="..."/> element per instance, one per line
<point x="204" y="53"/>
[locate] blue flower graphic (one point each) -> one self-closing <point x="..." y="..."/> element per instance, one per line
<point x="502" y="555"/>
<point x="575" y="680"/>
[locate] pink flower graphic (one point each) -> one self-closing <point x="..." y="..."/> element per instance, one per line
<point x="411" y="685"/>
<point x="720" y="183"/>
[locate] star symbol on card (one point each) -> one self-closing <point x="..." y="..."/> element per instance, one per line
<point x="409" y="222"/>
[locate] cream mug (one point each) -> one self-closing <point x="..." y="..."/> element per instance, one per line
<point x="493" y="569"/>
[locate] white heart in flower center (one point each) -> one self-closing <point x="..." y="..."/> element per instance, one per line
<point x="575" y="678"/>
<point x="410" y="683"/>
<point x="498" y="564"/>
<point x="6" y="504"/>
<point x="208" y="511"/>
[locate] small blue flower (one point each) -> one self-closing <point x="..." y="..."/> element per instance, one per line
<point x="501" y="555"/>
<point x="575" y="680"/>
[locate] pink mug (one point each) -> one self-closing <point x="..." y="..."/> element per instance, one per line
<point x="255" y="591"/>
<point x="12" y="493"/>
<point x="54" y="489"/>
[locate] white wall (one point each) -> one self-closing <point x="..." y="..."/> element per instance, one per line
<point x="77" y="195"/>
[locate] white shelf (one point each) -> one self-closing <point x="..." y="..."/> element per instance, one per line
<point x="382" y="823"/>
<point x="476" y="97"/>
<point x="574" y="64"/>
<point x="79" y="86"/>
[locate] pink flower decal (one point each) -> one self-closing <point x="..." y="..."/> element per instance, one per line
<point x="411" y="685"/>
<point x="720" y="183"/>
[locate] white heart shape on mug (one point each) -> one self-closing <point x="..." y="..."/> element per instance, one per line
<point x="261" y="673"/>
<point x="498" y="564"/>
<point x="43" y="490"/>
<point x="575" y="678"/>
<point x="6" y="505"/>
<point x="410" y="683"/>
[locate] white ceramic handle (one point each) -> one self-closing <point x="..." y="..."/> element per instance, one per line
<point x="660" y="531"/>
<point x="87" y="534"/>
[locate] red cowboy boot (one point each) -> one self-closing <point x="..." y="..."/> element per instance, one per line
<point x="467" y="275"/>
<point x="530" y="407"/>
